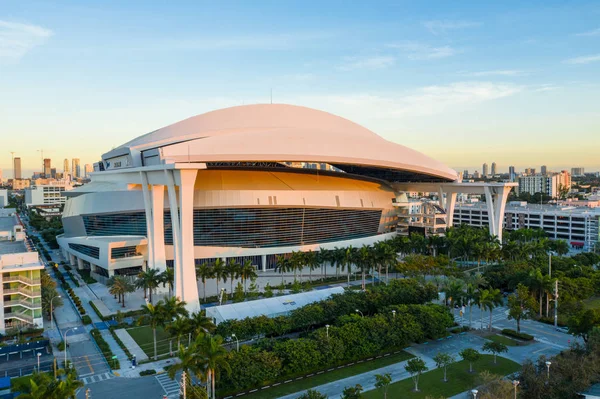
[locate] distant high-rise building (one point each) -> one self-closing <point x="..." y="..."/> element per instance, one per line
<point x="47" y="167"/>
<point x="484" y="169"/>
<point x="476" y="175"/>
<point x="88" y="169"/>
<point x="512" y="176"/>
<point x="493" y="168"/>
<point x="52" y="173"/>
<point x="544" y="170"/>
<point x="66" y="166"/>
<point x="574" y="171"/>
<point x="466" y="173"/>
<point x="17" y="168"/>
<point x="530" y="171"/>
<point x="0" y="175"/>
<point x="76" y="169"/>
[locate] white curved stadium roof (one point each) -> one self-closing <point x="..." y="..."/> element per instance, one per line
<point x="280" y="132"/>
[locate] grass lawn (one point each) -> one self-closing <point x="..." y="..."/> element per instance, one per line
<point x="459" y="379"/>
<point x="143" y="336"/>
<point x="338" y="374"/>
<point x="503" y="340"/>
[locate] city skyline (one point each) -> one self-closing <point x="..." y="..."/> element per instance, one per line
<point x="493" y="77"/>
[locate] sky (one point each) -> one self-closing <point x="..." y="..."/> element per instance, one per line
<point x="511" y="82"/>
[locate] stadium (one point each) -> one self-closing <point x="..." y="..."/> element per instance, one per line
<point x="248" y="182"/>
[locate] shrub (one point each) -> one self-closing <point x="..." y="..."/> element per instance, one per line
<point x="86" y="319"/>
<point x="515" y="334"/>
<point x="104" y="348"/>
<point x="147" y="372"/>
<point x="61" y="346"/>
<point x="97" y="311"/>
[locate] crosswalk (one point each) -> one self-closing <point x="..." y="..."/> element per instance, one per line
<point x="97" y="378"/>
<point x="170" y="386"/>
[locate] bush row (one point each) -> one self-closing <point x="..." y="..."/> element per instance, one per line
<point x="516" y="334"/>
<point x="70" y="292"/>
<point x="105" y="349"/>
<point x="350" y="338"/>
<point x="147" y="372"/>
<point x="404" y="291"/>
<point x="121" y="344"/>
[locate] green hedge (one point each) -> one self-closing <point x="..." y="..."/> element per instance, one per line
<point x="105" y="349"/>
<point x="515" y="334"/>
<point x="147" y="372"/>
<point x="121" y="344"/>
<point x="97" y="311"/>
<point x="86" y="319"/>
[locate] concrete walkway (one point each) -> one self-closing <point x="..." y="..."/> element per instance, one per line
<point x="131" y="345"/>
<point x="158" y="366"/>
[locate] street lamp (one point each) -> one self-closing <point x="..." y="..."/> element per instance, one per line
<point x="66" y="332"/>
<point x="548" y="368"/>
<point x="515" y="384"/>
<point x="327" y="328"/>
<point x="474" y="392"/>
<point x="38" y="357"/>
<point x="58" y="296"/>
<point x="361" y="313"/>
<point x="236" y="342"/>
<point x="394" y="313"/>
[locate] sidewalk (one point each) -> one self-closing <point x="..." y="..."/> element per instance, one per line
<point x="131" y="345"/>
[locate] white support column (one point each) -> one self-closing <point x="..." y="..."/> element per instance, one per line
<point x="500" y="198"/>
<point x="441" y="200"/>
<point x="158" y="216"/>
<point x="489" y="202"/>
<point x="149" y="219"/>
<point x="79" y="264"/>
<point x="450" y="204"/>
<point x="186" y="286"/>
<point x="264" y="262"/>
<point x="175" y="228"/>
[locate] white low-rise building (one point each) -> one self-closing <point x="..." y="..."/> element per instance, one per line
<point x="576" y="225"/>
<point x="47" y="194"/>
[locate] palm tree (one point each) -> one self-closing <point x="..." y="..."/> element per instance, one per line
<point x="488" y="300"/>
<point x="471" y="294"/>
<point x="537" y="281"/>
<point x="212" y="350"/>
<point x="312" y="261"/>
<point x="296" y="262"/>
<point x="167" y="278"/>
<point x="233" y="271"/>
<point x="219" y="272"/>
<point x="191" y="361"/>
<point x="68" y="386"/>
<point x="204" y="272"/>
<point x="172" y="308"/>
<point x="154" y="317"/>
<point x="248" y="271"/>
<point x="364" y="262"/>
<point x="282" y="265"/>
<point x="453" y="288"/>
<point x="148" y="280"/>
<point x="201" y="324"/>
<point x="349" y="257"/>
<point x="178" y="328"/>
<point x="119" y="287"/>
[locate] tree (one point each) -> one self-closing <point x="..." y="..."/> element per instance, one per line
<point x="352" y="392"/>
<point x="519" y="305"/>
<point x="233" y="271"/>
<point x="488" y="300"/>
<point x="583" y="322"/>
<point x="238" y="294"/>
<point x="154" y="317"/>
<point x="248" y="272"/>
<point x="283" y="265"/>
<point x="444" y="360"/>
<point x="495" y="348"/>
<point x="383" y="381"/>
<point x="149" y="280"/>
<point x="218" y="272"/>
<point x="204" y="272"/>
<point x="201" y="324"/>
<point x="42" y="386"/>
<point x="167" y="278"/>
<point x="415" y="367"/>
<point x="212" y="350"/>
<point x="119" y="287"/>
<point x="312" y="394"/>
<point x="178" y="328"/>
<point x="470" y="355"/>
<point x="191" y="361"/>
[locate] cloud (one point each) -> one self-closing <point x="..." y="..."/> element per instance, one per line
<point x="419" y="102"/>
<point x="276" y="41"/>
<point x="417" y="51"/>
<point x="17" y="39"/>
<point x="441" y="27"/>
<point x="375" y="62"/>
<point x="594" y="32"/>
<point x="496" y="72"/>
<point x="583" y="60"/>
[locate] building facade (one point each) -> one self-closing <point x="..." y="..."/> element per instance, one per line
<point x="484" y="170"/>
<point x="578" y="172"/>
<point x="76" y="168"/>
<point x="576" y="225"/>
<point x="17" y="169"/>
<point x="494" y="171"/>
<point x="47" y="193"/>
<point x="244" y="183"/>
<point x="20" y="270"/>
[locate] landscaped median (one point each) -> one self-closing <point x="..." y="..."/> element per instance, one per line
<point x="312" y="380"/>
<point x="105" y="349"/>
<point x="431" y="383"/>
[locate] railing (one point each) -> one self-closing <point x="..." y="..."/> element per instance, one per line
<point x="21" y="316"/>
<point x="21" y="279"/>
<point x="22" y="291"/>
<point x="27" y="304"/>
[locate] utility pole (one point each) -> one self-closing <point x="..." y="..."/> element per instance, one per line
<point x="87" y="394"/>
<point x="55" y="368"/>
<point x="550" y="264"/>
<point x="556" y="304"/>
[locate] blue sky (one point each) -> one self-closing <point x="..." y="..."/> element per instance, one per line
<point x="464" y="82"/>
